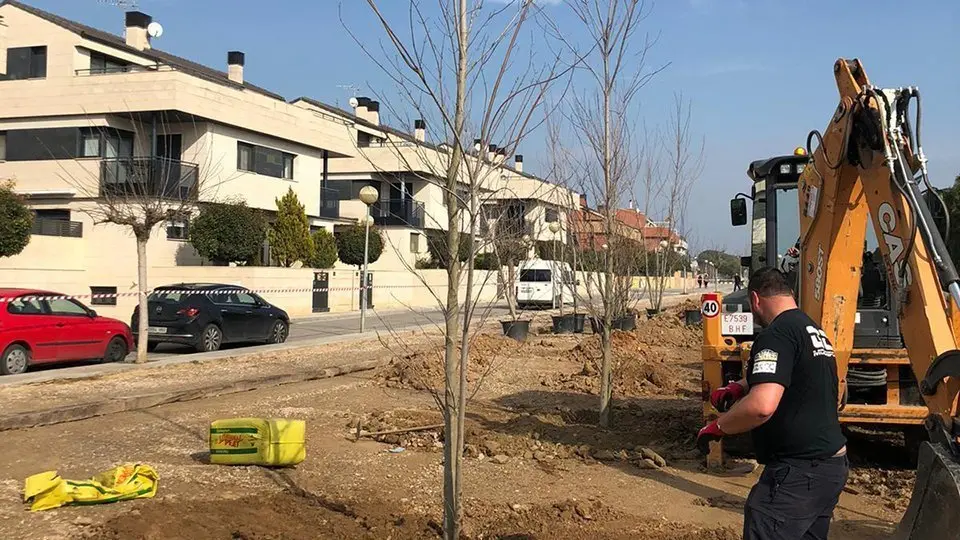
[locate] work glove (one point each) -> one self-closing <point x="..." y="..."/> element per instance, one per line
<point x="724" y="397"/>
<point x="710" y="432"/>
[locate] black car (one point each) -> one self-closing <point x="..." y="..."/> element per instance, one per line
<point x="207" y="315"/>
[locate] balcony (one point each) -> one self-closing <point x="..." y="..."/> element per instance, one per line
<point x="155" y="177"/>
<point x="57" y="227"/>
<point x="398" y="212"/>
<point x="329" y="203"/>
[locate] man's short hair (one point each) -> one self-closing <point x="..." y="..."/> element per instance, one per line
<point x="768" y="281"/>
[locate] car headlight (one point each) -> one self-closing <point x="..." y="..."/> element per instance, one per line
<point x="801" y="167"/>
<point x="785" y="168"/>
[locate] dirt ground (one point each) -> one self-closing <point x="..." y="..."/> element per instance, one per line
<point x="537" y="464"/>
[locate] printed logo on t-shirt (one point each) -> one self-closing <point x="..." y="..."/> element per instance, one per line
<point x="821" y="345"/>
<point x="765" y="361"/>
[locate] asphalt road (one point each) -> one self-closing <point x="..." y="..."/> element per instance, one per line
<point x="349" y="323"/>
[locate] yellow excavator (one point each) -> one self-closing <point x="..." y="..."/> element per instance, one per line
<point x="893" y="315"/>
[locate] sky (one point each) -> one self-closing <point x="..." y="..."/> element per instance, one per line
<point x="758" y="73"/>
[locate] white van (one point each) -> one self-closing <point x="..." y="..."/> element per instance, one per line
<point x="544" y="283"/>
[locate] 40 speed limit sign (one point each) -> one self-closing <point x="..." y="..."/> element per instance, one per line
<point x="710" y="307"/>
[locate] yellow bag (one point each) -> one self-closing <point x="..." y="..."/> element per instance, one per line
<point x="258" y="441"/>
<point x="48" y="490"/>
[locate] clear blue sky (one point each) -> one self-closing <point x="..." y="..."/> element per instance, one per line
<point x="759" y="72"/>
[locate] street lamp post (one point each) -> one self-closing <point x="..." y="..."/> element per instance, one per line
<point x="369" y="195"/>
<point x="555" y="229"/>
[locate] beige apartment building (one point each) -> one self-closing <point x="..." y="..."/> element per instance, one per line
<point x="85" y="114"/>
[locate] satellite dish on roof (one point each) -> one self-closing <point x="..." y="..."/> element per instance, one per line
<point x="154" y="30"/>
<point x="353" y="102"/>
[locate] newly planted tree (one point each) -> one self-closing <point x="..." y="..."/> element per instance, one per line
<point x="602" y="118"/>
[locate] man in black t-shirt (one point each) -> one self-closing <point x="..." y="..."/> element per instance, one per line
<point x="788" y="401"/>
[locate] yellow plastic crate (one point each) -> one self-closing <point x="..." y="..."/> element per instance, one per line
<point x="258" y="441"/>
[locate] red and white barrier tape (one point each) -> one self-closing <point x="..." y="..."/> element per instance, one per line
<point x="238" y="288"/>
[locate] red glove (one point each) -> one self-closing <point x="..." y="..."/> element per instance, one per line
<point x="724" y="397"/>
<point x="710" y="432"/>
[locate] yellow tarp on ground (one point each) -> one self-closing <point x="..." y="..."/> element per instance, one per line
<point x="48" y="490"/>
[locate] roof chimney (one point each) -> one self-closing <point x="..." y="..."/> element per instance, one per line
<point x="420" y="130"/>
<point x="361" y="109"/>
<point x="583" y="201"/>
<point x="235" y="62"/>
<point x="491" y="152"/>
<point x="476" y="146"/>
<point x="373" y="112"/>
<point x="136" y="33"/>
<point x="518" y="162"/>
<point x="500" y="155"/>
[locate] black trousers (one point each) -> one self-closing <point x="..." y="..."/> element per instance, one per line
<point x="794" y="499"/>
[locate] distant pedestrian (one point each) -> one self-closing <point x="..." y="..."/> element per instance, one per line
<point x="700" y="281"/>
<point x="737" y="282"/>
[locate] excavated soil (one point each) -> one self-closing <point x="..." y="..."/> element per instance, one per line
<point x="302" y="515"/>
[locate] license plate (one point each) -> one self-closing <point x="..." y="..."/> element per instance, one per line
<point x="156" y="330"/>
<point x="737" y="324"/>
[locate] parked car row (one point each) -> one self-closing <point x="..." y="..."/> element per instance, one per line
<point x="44" y="327"/>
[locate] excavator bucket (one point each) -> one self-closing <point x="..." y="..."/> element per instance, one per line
<point x="934" y="510"/>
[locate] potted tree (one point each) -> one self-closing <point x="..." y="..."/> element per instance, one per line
<point x="510" y="245"/>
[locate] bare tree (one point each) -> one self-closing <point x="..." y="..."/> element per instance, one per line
<point x="684" y="157"/>
<point x="466" y="73"/>
<point x="134" y="188"/>
<point x="618" y="70"/>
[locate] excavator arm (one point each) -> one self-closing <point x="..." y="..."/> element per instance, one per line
<point x="869" y="165"/>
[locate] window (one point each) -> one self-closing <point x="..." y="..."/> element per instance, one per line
<point x="169" y="297"/>
<point x="89" y="143"/>
<point x="64" y="306"/>
<point x="265" y="161"/>
<point x="26" y="63"/>
<point x="535" y="275"/>
<point x="101" y="63"/>
<point x="551" y="215"/>
<point x="25" y="306"/>
<point x="103" y="300"/>
<point x="178" y="229"/>
<point x="234" y="298"/>
<point x="414" y="242"/>
<point x="56" y="214"/>
<point x="3" y="146"/>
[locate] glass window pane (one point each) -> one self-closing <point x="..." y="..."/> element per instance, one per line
<point x="288" y="166"/>
<point x="244" y="155"/>
<point x="62" y="306"/>
<point x="111" y="147"/>
<point x="38" y="62"/>
<point x="25" y="306"/>
<point x="268" y="162"/>
<point x="244" y="298"/>
<point x="91" y="144"/>
<point x="3" y="147"/>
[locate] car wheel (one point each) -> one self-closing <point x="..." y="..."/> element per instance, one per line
<point x="279" y="332"/>
<point x="15" y="360"/>
<point x="116" y="350"/>
<point x="210" y="339"/>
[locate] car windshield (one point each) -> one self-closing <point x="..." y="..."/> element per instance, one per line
<point x="788" y="219"/>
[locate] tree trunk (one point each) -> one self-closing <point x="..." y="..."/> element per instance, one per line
<point x="511" y="289"/>
<point x="142" y="300"/>
<point x="452" y="416"/>
<point x="608" y="297"/>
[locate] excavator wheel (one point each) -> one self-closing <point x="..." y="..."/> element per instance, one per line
<point x="936" y="497"/>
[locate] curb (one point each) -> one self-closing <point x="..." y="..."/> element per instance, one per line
<point x="82" y="411"/>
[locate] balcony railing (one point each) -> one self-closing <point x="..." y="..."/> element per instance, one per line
<point x="140" y="177"/>
<point x="57" y="227"/>
<point x="400" y="212"/>
<point x="329" y="203"/>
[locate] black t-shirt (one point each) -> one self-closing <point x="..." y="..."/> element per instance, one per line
<point x="795" y="353"/>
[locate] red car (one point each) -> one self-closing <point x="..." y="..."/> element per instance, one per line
<point x="38" y="330"/>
